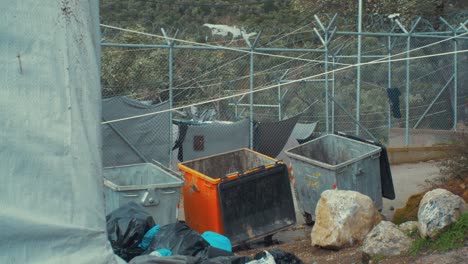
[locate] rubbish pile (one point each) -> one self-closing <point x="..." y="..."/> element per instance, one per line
<point x="137" y="239"/>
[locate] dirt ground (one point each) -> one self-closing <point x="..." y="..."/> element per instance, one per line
<point x="302" y="249"/>
<point x="309" y="255"/>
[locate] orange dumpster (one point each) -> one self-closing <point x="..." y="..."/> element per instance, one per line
<point x="241" y="194"/>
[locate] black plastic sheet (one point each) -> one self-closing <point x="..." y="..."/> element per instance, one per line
<point x="227" y="260"/>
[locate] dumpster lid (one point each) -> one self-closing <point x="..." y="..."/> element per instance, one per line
<point x="140" y="176"/>
<point x="257" y="204"/>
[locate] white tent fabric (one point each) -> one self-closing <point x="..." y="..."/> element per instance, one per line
<point x="51" y="199"/>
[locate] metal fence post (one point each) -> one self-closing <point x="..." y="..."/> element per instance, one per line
<point x="251" y="86"/>
<point x="358" y="68"/>
<point x="326" y="42"/>
<point x="407" y="67"/>
<point x="389" y="85"/>
<point x="327" y="126"/>
<point x="333" y="95"/>
<point x="279" y="100"/>
<point x="455" y="80"/>
<point x="407" y="89"/>
<point x="170" y="42"/>
<point x="251" y="99"/>
<point x="455" y="71"/>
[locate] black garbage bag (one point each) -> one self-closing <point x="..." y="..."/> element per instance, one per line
<point x="212" y="252"/>
<point x="227" y="260"/>
<point x="126" y="227"/>
<point x="147" y="259"/>
<point x="179" y="239"/>
<point x="281" y="257"/>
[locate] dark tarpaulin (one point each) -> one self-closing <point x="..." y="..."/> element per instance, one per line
<point x="136" y="140"/>
<point x="214" y="138"/>
<point x="271" y="137"/>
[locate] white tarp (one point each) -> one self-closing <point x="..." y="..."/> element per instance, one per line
<point x="51" y="199"/>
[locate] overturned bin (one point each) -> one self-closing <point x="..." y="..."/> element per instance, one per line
<point x="242" y="194"/>
<point x="154" y="187"/>
<point x="330" y="162"/>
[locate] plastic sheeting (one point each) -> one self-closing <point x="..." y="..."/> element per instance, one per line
<point x="301" y="132"/>
<point x="139" y="140"/>
<point x="51" y="199"/>
<point x="216" y="137"/>
<point x="271" y="137"/>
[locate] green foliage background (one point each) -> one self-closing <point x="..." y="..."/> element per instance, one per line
<point x="201" y="75"/>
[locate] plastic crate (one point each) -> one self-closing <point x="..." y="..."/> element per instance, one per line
<point x="156" y="188"/>
<point x="242" y="194"/>
<point x="333" y="161"/>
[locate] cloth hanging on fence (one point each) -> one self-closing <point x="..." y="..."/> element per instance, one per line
<point x="138" y="140"/>
<point x="51" y="192"/>
<point x="178" y="145"/>
<point x="303" y="132"/>
<point x="271" y="137"/>
<point x="394" y="100"/>
<point x="214" y="138"/>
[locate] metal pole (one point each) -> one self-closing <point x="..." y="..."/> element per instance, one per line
<point x="170" y="43"/>
<point x="327" y="128"/>
<point x="333" y="95"/>
<point x="358" y="72"/>
<point x="279" y="101"/>
<point x="251" y="100"/>
<point x="455" y="81"/>
<point x="171" y="95"/>
<point x="251" y="85"/>
<point x="408" y="47"/>
<point x="235" y="110"/>
<point x="389" y="85"/>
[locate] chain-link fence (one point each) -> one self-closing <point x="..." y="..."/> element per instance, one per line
<point x="411" y="91"/>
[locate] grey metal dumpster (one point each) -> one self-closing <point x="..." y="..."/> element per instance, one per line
<point x="156" y="188"/>
<point x="334" y="161"/>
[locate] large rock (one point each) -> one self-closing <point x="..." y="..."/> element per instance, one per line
<point x="439" y="209"/>
<point x="410" y="228"/>
<point x="386" y="239"/>
<point x="343" y="218"/>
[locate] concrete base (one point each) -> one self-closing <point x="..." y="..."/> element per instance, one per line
<point x="400" y="155"/>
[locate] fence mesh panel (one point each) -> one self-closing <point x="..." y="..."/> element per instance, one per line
<point x="225" y="77"/>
